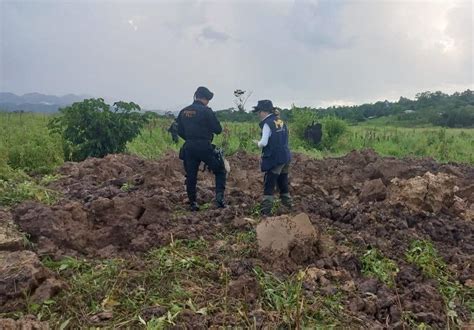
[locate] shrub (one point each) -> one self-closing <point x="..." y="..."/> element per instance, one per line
<point x="94" y="128"/>
<point x="333" y="129"/>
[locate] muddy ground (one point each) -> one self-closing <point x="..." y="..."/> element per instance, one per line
<point x="123" y="206"/>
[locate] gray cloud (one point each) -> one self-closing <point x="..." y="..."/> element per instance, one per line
<point x="307" y="53"/>
<point x="210" y="34"/>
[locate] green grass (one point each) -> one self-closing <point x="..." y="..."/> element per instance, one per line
<point x="376" y="265"/>
<point x="174" y="277"/>
<point x="442" y="144"/>
<point x="25" y="143"/>
<point x="424" y="255"/>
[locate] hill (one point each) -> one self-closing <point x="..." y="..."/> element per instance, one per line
<point x="37" y="102"/>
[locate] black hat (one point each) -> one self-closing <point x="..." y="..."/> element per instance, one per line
<point x="203" y="93"/>
<point x="264" y="105"/>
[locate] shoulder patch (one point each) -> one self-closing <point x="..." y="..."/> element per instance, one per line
<point x="189" y="113"/>
<point x="279" y="123"/>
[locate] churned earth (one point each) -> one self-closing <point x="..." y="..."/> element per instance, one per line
<point x="382" y="242"/>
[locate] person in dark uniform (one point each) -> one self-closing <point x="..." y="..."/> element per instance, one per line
<point x="197" y="125"/>
<point x="173" y="130"/>
<point x="276" y="156"/>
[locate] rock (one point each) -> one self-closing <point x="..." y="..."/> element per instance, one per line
<point x="26" y="323"/>
<point x="245" y="287"/>
<point x="10" y="238"/>
<point x="239" y="223"/>
<point x="469" y="283"/>
<point x="284" y="236"/>
<point x="373" y="190"/>
<point x="369" y="285"/>
<point x="151" y="312"/>
<point x="21" y="273"/>
<point x="102" y="316"/>
<point x="429" y="192"/>
<point x="47" y="290"/>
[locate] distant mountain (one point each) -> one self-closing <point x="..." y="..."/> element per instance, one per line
<point x="37" y="102"/>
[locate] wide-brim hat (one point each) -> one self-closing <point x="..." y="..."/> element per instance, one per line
<point x="264" y="105"/>
<point x="203" y="93"/>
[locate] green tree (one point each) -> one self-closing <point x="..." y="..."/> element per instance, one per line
<point x="92" y="128"/>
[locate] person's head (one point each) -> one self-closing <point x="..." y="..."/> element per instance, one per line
<point x="264" y="108"/>
<point x="203" y="95"/>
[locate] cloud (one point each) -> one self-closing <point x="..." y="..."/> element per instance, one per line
<point x="210" y="34"/>
<point x="302" y="52"/>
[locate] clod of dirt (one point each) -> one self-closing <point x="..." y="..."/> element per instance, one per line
<point x="151" y="312"/>
<point x="10" y="238"/>
<point x="21" y="273"/>
<point x="285" y="237"/>
<point x="430" y="192"/>
<point x="373" y="190"/>
<point x="26" y="323"/>
<point x="245" y="287"/>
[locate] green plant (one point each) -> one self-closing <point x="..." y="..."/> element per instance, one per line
<point x="12" y="192"/>
<point x="333" y="129"/>
<point x="93" y="128"/>
<point x="126" y="187"/>
<point x="285" y="297"/>
<point x="376" y="265"/>
<point x="423" y="254"/>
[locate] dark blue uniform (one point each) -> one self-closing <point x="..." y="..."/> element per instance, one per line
<point x="276" y="156"/>
<point x="197" y="125"/>
<point x="276" y="152"/>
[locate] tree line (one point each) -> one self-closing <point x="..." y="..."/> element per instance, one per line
<point x="435" y="108"/>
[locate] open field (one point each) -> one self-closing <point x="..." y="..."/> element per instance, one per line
<point x="110" y="243"/>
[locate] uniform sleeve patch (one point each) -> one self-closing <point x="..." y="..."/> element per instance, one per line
<point x="189" y="113"/>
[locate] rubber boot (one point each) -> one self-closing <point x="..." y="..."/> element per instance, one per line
<point x="287" y="201"/>
<point x="194" y="206"/>
<point x="267" y="205"/>
<point x="220" y="202"/>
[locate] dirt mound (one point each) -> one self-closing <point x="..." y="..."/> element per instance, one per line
<point x="22" y="274"/>
<point x="123" y="206"/>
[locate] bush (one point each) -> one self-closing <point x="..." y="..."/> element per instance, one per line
<point x="302" y="118"/>
<point x="333" y="129"/>
<point x="92" y="128"/>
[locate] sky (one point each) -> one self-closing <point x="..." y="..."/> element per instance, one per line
<point x="308" y="53"/>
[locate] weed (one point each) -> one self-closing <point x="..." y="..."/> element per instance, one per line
<point x="126" y="187"/>
<point x="285" y="297"/>
<point x="423" y="254"/>
<point x="376" y="265"/>
<point x="12" y="192"/>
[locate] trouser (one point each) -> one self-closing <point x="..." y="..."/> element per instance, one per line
<point x="195" y="152"/>
<point x="277" y="176"/>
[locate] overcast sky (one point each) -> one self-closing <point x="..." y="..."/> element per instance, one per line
<point x="310" y="53"/>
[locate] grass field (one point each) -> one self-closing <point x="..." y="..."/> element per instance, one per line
<point x="26" y="145"/>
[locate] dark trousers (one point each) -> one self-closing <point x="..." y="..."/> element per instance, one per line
<point x="196" y="152"/>
<point x="277" y="176"/>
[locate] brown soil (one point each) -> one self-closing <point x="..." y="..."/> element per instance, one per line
<point x="122" y="206"/>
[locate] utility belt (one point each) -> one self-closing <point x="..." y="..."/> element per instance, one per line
<point x="217" y="152"/>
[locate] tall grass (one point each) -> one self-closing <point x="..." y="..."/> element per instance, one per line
<point x="26" y="145"/>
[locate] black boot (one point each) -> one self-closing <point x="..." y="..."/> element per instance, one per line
<point x="220" y="202"/>
<point x="287" y="201"/>
<point x="266" y="206"/>
<point x="194" y="206"/>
